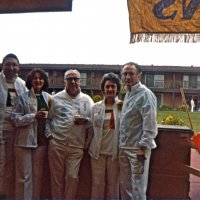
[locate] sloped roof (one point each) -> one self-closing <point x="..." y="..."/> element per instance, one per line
<point x="85" y="67"/>
<point x="182" y="69"/>
<point x="114" y="68"/>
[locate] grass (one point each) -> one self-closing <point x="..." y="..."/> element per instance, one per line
<point x="195" y="118"/>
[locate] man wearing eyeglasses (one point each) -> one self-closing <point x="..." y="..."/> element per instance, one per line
<point x="10" y="87"/>
<point x="66" y="128"/>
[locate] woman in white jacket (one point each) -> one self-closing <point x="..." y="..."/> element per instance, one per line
<point x="29" y="117"/>
<point x="104" y="145"/>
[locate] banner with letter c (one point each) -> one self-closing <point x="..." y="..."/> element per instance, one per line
<point x="164" y="20"/>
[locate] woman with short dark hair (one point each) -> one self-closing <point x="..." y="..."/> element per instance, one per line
<point x="104" y="144"/>
<point x="29" y="116"/>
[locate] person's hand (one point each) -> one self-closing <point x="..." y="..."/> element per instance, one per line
<point x="80" y="120"/>
<point x="41" y="114"/>
<point x="141" y="155"/>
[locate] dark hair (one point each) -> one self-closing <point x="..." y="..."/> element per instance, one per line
<point x="137" y="66"/>
<point x="10" y="55"/>
<point x="110" y="77"/>
<point x="31" y="75"/>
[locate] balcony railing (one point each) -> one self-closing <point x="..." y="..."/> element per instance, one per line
<point x="94" y="84"/>
<point x="174" y="85"/>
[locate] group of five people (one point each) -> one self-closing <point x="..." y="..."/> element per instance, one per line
<point x="119" y="138"/>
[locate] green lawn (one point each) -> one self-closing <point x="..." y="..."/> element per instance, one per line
<point x="195" y="118"/>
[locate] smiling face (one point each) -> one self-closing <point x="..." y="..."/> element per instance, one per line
<point x="10" y="68"/>
<point x="72" y="83"/>
<point x="130" y="76"/>
<point x="37" y="83"/>
<point x="110" y="91"/>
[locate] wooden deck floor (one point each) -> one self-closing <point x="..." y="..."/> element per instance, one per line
<point x="194" y="180"/>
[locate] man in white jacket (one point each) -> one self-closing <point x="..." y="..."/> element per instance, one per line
<point x="10" y="87"/>
<point x="138" y="128"/>
<point x="66" y="128"/>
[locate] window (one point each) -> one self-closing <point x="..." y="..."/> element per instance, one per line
<point x="159" y="100"/>
<point x="185" y="81"/>
<point x="159" y="81"/>
<point x="149" y="80"/>
<point x="191" y="81"/>
<point x="155" y="80"/>
<point x="83" y="79"/>
<point x="198" y="81"/>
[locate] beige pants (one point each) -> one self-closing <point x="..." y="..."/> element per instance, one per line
<point x="105" y="178"/>
<point x="7" y="185"/>
<point x="64" y="162"/>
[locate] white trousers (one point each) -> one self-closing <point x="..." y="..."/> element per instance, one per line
<point x="133" y="175"/>
<point x="29" y="168"/>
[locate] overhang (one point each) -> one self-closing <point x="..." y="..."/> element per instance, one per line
<point x="23" y="6"/>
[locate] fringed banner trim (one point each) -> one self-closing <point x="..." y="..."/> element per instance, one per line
<point x="165" y="37"/>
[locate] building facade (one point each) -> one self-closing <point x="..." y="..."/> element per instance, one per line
<point x="164" y="81"/>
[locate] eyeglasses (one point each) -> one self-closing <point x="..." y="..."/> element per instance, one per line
<point x="72" y="78"/>
<point x="8" y="64"/>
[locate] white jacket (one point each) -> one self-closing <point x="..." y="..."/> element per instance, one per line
<point x="19" y="86"/>
<point x="60" y="122"/>
<point x="23" y="116"/>
<point x="98" y="115"/>
<point x="138" y="126"/>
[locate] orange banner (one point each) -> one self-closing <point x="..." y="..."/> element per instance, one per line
<point x="164" y="16"/>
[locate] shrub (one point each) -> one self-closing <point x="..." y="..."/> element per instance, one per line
<point x="96" y="98"/>
<point x="165" y="108"/>
<point x="122" y="92"/>
<point x="173" y="120"/>
<point x="183" y="107"/>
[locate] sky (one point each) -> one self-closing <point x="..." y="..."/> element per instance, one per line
<point x="95" y="32"/>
